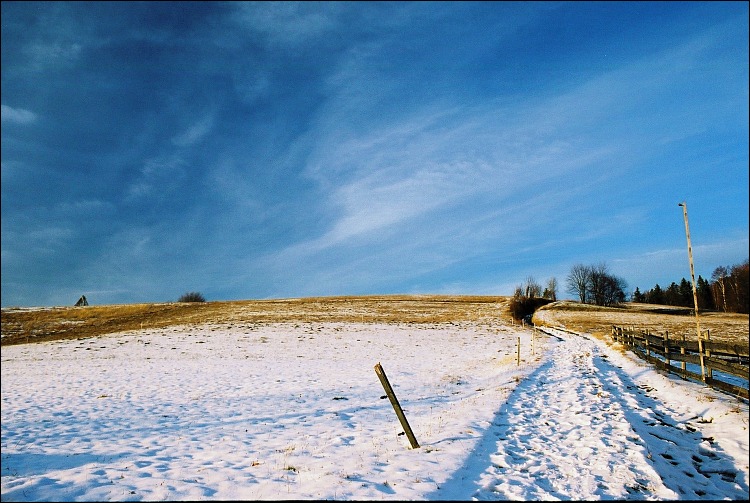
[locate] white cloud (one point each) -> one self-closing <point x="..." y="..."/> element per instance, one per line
<point x="289" y="23"/>
<point x="43" y="56"/>
<point x="17" y="115"/>
<point x="195" y="132"/>
<point x="158" y="176"/>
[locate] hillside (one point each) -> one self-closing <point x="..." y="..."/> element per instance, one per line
<point x="679" y="321"/>
<point x="21" y="325"/>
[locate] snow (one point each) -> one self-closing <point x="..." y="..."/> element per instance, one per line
<point x="296" y="411"/>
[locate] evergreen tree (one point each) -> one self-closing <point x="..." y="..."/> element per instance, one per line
<point x="672" y="295"/>
<point x="655" y="295"/>
<point x="705" y="297"/>
<point x="686" y="294"/>
<point x="638" y="296"/>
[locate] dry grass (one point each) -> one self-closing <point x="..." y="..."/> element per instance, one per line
<point x="34" y="325"/>
<point x="25" y="325"/>
<point x="724" y="327"/>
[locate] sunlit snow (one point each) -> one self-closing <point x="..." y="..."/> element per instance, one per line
<point x="296" y="411"/>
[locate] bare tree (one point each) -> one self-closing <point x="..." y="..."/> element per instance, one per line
<point x="613" y="290"/>
<point x="532" y="288"/>
<point x="718" y="279"/>
<point x="578" y="281"/>
<point x="551" y="291"/>
<point x="594" y="284"/>
<point x="598" y="283"/>
<point x="739" y="277"/>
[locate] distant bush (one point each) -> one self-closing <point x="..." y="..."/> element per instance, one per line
<point x="192" y="297"/>
<point x="523" y="307"/>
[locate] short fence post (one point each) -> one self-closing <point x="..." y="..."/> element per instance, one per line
<point x="683" y="365"/>
<point x="709" y="371"/>
<point x="645" y="338"/>
<point x="666" y="348"/>
<point x="518" y="351"/>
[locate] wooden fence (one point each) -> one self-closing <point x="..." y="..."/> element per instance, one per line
<point x="673" y="355"/>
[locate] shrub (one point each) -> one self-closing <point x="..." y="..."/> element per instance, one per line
<point x="192" y="297"/>
<point x="523" y="307"/>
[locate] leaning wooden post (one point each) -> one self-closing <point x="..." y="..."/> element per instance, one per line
<point x="394" y="402"/>
<point x="695" y="291"/>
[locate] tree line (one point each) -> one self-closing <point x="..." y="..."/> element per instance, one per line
<point x="727" y="291"/>
<point x="592" y="284"/>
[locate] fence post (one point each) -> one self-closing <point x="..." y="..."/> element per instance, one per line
<point x="518" y="352"/>
<point x="666" y="348"/>
<point x="709" y="371"/>
<point x="645" y="338"/>
<point x="682" y="353"/>
<point x="396" y="407"/>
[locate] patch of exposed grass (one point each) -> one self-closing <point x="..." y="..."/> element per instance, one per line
<point x="678" y="321"/>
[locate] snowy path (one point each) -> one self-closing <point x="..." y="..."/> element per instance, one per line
<point x="580" y="428"/>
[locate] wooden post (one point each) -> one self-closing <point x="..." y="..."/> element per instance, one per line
<point x="709" y="370"/>
<point x="645" y="338"/>
<point x="666" y="348"/>
<point x="683" y="365"/>
<point x="695" y="291"/>
<point x="396" y="407"/>
<point x="518" y="351"/>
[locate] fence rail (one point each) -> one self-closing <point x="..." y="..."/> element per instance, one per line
<point x="662" y="351"/>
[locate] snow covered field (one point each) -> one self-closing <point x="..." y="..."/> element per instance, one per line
<point x="294" y="411"/>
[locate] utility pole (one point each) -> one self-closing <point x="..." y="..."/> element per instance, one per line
<point x="695" y="291"/>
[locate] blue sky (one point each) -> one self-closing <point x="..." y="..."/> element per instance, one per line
<point x="272" y="150"/>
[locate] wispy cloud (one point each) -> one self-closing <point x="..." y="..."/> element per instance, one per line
<point x="158" y="176"/>
<point x="195" y="132"/>
<point x="45" y="55"/>
<point x="17" y="115"/>
<point x="474" y="172"/>
<point x="288" y="23"/>
<point x="309" y="148"/>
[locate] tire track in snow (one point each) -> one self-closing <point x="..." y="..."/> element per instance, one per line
<point x="580" y="428"/>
